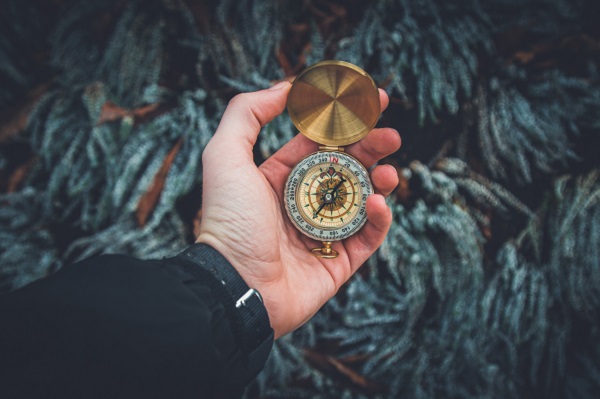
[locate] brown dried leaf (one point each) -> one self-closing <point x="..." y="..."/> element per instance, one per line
<point x="150" y="198"/>
<point x="338" y="10"/>
<point x="284" y="63"/>
<point x="200" y="10"/>
<point x="549" y="54"/>
<point x="300" y="28"/>
<point x="524" y="57"/>
<point x="329" y="364"/>
<point x="403" y="191"/>
<point x="18" y="175"/>
<point x="14" y="119"/>
<point x="112" y="112"/>
<point x="486" y="231"/>
<point x="351" y="374"/>
<point x="147" y="111"/>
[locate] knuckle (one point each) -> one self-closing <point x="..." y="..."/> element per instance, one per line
<point x="237" y="100"/>
<point x="241" y="105"/>
<point x="379" y="149"/>
<point x="372" y="150"/>
<point x="208" y="152"/>
<point x="205" y="154"/>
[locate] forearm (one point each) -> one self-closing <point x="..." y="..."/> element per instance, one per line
<point x="114" y="326"/>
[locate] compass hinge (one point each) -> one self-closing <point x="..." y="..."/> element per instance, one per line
<point x="330" y="148"/>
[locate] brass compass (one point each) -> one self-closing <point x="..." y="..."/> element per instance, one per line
<point x="333" y="103"/>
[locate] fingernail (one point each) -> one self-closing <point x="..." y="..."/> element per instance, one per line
<point x="278" y="86"/>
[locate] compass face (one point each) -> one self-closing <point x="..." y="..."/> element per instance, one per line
<point x="326" y="195"/>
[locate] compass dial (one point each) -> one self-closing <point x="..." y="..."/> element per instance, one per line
<point x="326" y="194"/>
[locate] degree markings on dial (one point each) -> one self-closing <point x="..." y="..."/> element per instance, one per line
<point x="310" y="188"/>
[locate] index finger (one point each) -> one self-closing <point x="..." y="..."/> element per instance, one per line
<point x="280" y="164"/>
<point x="376" y="145"/>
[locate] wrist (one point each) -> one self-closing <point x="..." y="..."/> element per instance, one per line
<point x="248" y="270"/>
<point x="245" y="265"/>
<point x="243" y="305"/>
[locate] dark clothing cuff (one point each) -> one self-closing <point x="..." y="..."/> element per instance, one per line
<point x="118" y="327"/>
<point x="245" y="311"/>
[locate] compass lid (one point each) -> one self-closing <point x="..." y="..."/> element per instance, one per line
<point x="334" y="103"/>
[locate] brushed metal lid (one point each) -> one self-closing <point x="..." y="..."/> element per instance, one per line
<point x="334" y="103"/>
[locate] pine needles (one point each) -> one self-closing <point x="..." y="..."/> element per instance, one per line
<point x="487" y="283"/>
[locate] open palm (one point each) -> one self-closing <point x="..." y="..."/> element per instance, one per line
<point x="243" y="215"/>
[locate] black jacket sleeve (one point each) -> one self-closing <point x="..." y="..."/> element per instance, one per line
<point x="114" y="326"/>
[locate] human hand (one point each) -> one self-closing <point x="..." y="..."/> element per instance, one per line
<point x="243" y="214"/>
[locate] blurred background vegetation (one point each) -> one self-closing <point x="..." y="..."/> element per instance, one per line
<point x="488" y="284"/>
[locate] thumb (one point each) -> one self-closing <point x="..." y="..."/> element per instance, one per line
<point x="246" y="113"/>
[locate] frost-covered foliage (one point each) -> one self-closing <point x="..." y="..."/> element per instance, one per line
<point x="244" y="39"/>
<point x="573" y="230"/>
<point x="93" y="183"/>
<point x="104" y="169"/>
<point x="542" y="306"/>
<point x="135" y="55"/>
<point x="532" y="126"/>
<point x="427" y="50"/>
<point x="549" y="18"/>
<point x="427" y="268"/>
<point x="240" y="50"/>
<point x="426" y="322"/>
<point x="487" y="285"/>
<point x="26" y="243"/>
